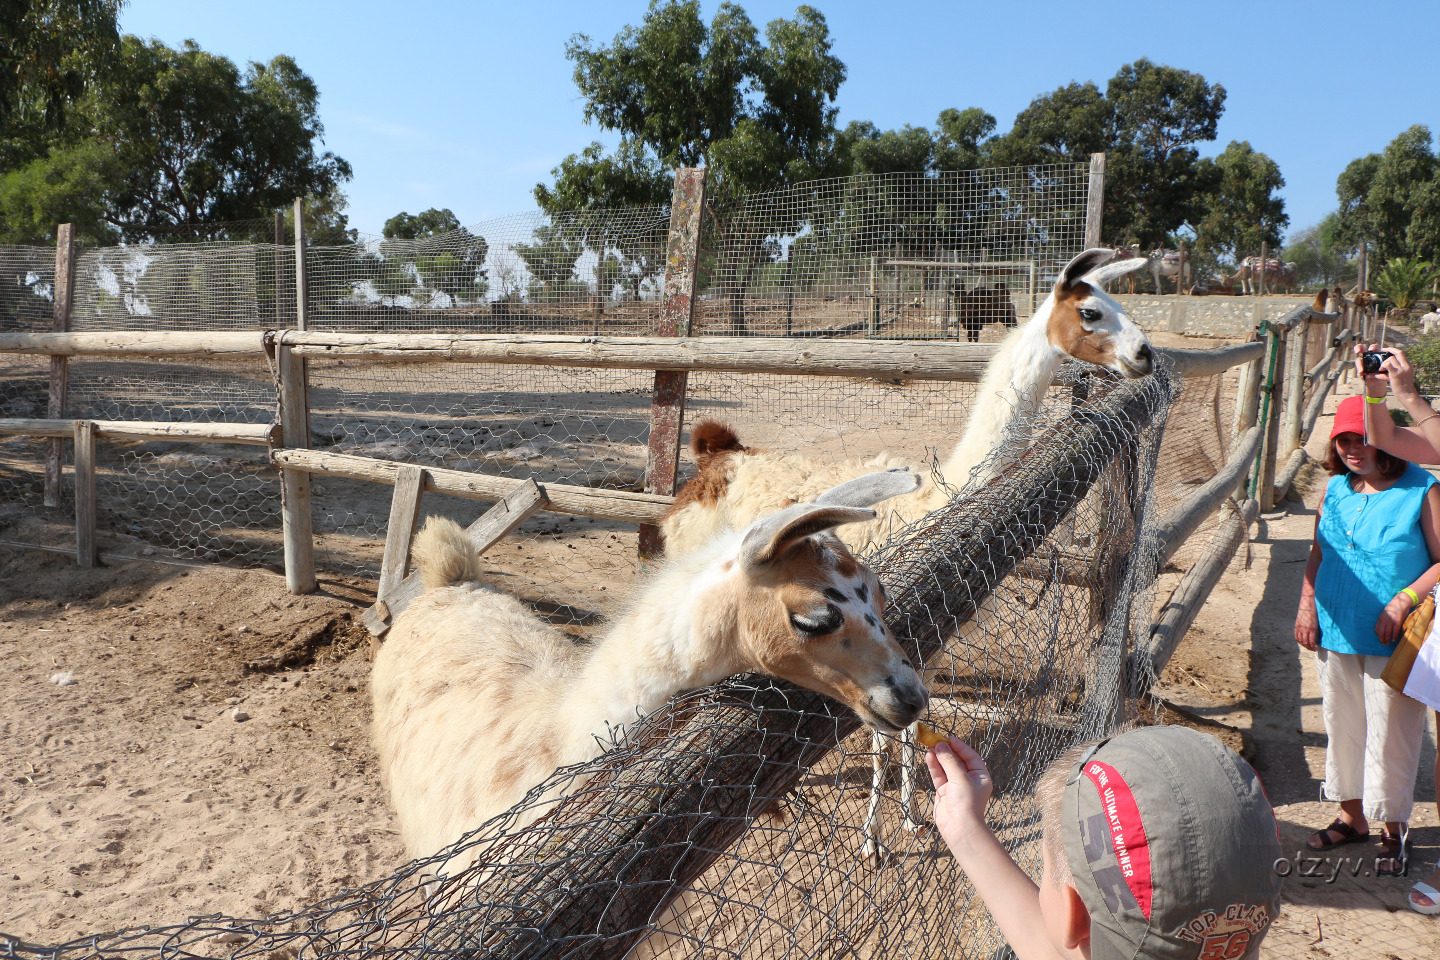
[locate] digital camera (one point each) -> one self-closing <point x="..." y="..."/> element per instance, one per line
<point x="1370" y="360"/>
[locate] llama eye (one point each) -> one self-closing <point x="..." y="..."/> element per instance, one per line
<point x="818" y="623"/>
<point x="1089" y="315"/>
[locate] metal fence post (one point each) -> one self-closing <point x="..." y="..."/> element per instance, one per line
<point x="59" y="366"/>
<point x="1095" y="200"/>
<point x="1262" y="480"/>
<point x="295" y="426"/>
<point x="677" y="311"/>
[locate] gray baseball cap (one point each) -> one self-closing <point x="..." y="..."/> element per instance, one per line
<point x="1172" y="845"/>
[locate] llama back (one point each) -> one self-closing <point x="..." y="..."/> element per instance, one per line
<point x="463" y="656"/>
<point x="733" y="489"/>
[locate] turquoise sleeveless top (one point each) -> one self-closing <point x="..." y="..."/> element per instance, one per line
<point x="1371" y="548"/>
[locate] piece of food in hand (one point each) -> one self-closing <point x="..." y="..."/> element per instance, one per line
<point x="928" y="736"/>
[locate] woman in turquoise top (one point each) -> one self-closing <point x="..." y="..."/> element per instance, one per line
<point x="1377" y="540"/>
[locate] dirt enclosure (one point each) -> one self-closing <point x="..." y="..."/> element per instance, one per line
<point x="181" y="741"/>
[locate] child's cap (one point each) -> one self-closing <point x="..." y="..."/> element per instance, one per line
<point x="1349" y="417"/>
<point x="1172" y="845"/>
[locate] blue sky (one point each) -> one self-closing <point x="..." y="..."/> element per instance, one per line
<point x="469" y="105"/>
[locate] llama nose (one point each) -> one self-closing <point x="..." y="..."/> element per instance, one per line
<point x="1144" y="359"/>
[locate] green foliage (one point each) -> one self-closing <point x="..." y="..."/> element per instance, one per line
<point x="431" y="222"/>
<point x="177" y="138"/>
<point x="1244" y="211"/>
<point x="1403" y="281"/>
<point x="1424" y="355"/>
<point x="1322" y="259"/>
<point x="550" y="261"/>
<point x="681" y="93"/>
<point x="1392" y="199"/>
<point x="51" y="53"/>
<point x="426" y="254"/>
<point x="1146" y="122"/>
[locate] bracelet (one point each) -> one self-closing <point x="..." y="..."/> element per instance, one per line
<point x="1424" y="420"/>
<point x="1370" y="399"/>
<point x="1414" y="597"/>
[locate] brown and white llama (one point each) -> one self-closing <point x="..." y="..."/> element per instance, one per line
<point x="735" y="484"/>
<point x="477" y="701"/>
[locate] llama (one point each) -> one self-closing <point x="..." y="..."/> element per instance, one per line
<point x="734" y="484"/>
<point x="476" y="701"/>
<point x="975" y="308"/>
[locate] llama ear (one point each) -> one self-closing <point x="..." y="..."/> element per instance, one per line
<point x="770" y="538"/>
<point x="870" y="489"/>
<point x="1103" y="274"/>
<point x="1076" y="269"/>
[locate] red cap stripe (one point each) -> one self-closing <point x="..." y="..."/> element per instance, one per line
<point x="1127" y="833"/>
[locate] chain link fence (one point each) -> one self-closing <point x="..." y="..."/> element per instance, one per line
<point x="729" y="823"/>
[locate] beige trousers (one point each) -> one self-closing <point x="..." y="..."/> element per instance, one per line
<point x="1375" y="736"/>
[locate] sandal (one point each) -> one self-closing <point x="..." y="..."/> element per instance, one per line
<point x="1394" y="857"/>
<point x="1348" y="834"/>
<point x="1429" y="893"/>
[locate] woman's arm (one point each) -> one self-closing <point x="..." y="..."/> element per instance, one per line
<point x="1307" y="619"/>
<point x="1418" y="444"/>
<point x="1392" y="618"/>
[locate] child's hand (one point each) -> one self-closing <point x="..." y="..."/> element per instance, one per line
<point x="962" y="789"/>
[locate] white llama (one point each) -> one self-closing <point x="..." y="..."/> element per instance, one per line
<point x="735" y="485"/>
<point x="476" y="701"/>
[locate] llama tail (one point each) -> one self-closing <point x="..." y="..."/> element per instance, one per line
<point x="709" y="437"/>
<point x="444" y="554"/>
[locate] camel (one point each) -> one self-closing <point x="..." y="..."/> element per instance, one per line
<point x="477" y="701"/>
<point x="1166" y="263"/>
<point x="734" y="484"/>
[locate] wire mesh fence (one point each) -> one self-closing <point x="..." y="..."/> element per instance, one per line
<point x="730" y="823"/>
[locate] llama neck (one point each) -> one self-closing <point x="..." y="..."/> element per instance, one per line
<point x="678" y="635"/>
<point x="1014" y="384"/>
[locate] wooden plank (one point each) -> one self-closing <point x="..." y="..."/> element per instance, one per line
<point x="1095" y="201"/>
<point x="166" y="343"/>
<point x="1208" y="363"/>
<point x="294" y="483"/>
<point x="400" y="531"/>
<point x="64" y="288"/>
<point x="257" y="434"/>
<point x="667" y="401"/>
<point x="495" y="523"/>
<point x="563" y="498"/>
<point x="1194" y="588"/>
<point x="85" y="542"/>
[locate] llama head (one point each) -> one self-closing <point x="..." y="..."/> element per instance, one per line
<point x="810" y="613"/>
<point x="1087" y="324"/>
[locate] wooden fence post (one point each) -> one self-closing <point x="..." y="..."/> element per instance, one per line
<point x="677" y="311"/>
<point x="85" y="542"/>
<point x="295" y="426"/>
<point x="1295" y="386"/>
<point x="1180" y="273"/>
<point x="64" y="288"/>
<point x="1095" y="200"/>
<point x="1264" y="267"/>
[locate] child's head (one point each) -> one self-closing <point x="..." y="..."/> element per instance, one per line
<point x="1157" y="842"/>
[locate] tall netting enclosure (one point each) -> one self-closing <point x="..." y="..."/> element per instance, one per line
<point x="731" y="823"/>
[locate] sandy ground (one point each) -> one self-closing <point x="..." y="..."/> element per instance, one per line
<point x="178" y="741"/>
<point x="1240" y="665"/>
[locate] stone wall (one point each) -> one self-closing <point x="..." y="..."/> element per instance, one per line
<point x="1227" y="317"/>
